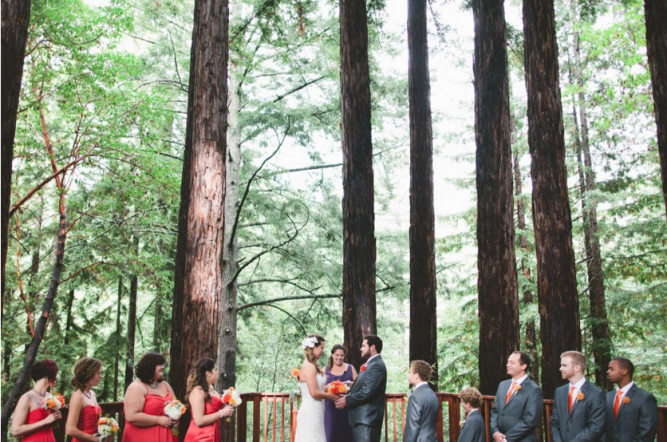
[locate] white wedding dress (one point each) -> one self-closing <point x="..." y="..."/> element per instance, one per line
<point x="310" y="419"/>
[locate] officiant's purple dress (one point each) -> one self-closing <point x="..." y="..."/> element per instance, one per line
<point x="336" y="425"/>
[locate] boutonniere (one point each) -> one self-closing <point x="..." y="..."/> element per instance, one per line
<point x="462" y="423"/>
<point x="626" y="400"/>
<point x="363" y="368"/>
<point x="517" y="388"/>
<point x="580" y="396"/>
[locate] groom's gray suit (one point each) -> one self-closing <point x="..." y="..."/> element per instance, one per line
<point x="518" y="418"/>
<point x="366" y="401"/>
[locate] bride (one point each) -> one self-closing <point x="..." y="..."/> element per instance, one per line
<point x="310" y="419"/>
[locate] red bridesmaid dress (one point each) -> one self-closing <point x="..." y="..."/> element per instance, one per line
<point x="154" y="405"/>
<point x="44" y="434"/>
<point x="207" y="433"/>
<point x="88" y="418"/>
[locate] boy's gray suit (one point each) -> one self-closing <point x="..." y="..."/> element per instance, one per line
<point x="474" y="428"/>
<point x="422" y="414"/>
<point x="366" y="401"/>
<point x="518" y="418"/>
<point x="637" y="420"/>
<point x="585" y="423"/>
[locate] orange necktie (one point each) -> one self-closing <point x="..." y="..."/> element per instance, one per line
<point x="570" y="399"/>
<point x="510" y="392"/>
<point x="617" y="402"/>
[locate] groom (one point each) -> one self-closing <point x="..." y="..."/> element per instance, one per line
<point x="366" y="399"/>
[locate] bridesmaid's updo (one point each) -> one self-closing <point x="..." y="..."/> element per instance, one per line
<point x="197" y="377"/>
<point x="333" y="350"/>
<point x="318" y="340"/>
<point x="84" y="370"/>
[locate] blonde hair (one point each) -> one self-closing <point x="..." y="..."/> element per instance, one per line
<point x="577" y="358"/>
<point x="310" y="357"/>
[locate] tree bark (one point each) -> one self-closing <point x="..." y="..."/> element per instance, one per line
<point x="116" y="361"/>
<point x="497" y="280"/>
<point x="132" y="321"/>
<point x="423" y="302"/>
<point x="230" y="265"/>
<point x="15" y="21"/>
<point x="556" y="277"/>
<point x="40" y="328"/>
<point x="198" y="276"/>
<point x="359" y="305"/>
<point x="596" y="290"/>
<point x="656" y="48"/>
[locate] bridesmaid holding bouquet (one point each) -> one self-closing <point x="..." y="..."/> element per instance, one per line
<point x="336" y="424"/>
<point x="33" y="421"/>
<point x="205" y="403"/>
<point x="84" y="412"/>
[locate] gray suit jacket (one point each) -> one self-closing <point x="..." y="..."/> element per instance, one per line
<point x="366" y="398"/>
<point x="586" y="421"/>
<point x="474" y="429"/>
<point x="637" y="421"/>
<point x="518" y="418"/>
<point x="423" y="408"/>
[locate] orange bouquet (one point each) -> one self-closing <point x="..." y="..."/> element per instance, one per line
<point x="53" y="402"/>
<point x="336" y="387"/>
<point x="232" y="398"/>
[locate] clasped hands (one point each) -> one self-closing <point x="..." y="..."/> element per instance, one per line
<point x="340" y="402"/>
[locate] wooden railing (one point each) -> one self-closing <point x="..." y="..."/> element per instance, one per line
<point x="271" y="417"/>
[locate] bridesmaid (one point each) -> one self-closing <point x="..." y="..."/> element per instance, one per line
<point x="205" y="403"/>
<point x="336" y="424"/>
<point x="31" y="422"/>
<point x="84" y="412"/>
<point x="144" y="403"/>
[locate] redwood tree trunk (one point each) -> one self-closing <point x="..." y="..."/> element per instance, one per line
<point x="596" y="289"/>
<point x="556" y="278"/>
<point x="15" y="21"/>
<point x="40" y="328"/>
<point x="423" y="308"/>
<point x="198" y="276"/>
<point x="359" y="311"/>
<point x="497" y="279"/>
<point x="65" y="376"/>
<point x="656" y="47"/>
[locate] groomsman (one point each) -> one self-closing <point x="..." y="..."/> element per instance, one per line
<point x="517" y="408"/>
<point x="579" y="410"/>
<point x="423" y="406"/>
<point x="632" y="413"/>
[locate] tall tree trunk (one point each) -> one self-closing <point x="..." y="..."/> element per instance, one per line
<point x="423" y="303"/>
<point x="556" y="276"/>
<point x="40" y="328"/>
<point x="497" y="279"/>
<point x="656" y="47"/>
<point x="359" y="308"/>
<point x="132" y="321"/>
<point x="198" y="276"/>
<point x="228" y="307"/>
<point x="596" y="289"/>
<point x="156" y="325"/>
<point x="530" y="344"/>
<point x="116" y="360"/>
<point x="15" y="21"/>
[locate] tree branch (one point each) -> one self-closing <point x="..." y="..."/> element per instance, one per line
<point x="298" y="88"/>
<point x="75" y="274"/>
<point x="29" y="195"/>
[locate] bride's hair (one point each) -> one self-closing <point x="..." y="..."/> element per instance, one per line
<point x="309" y="352"/>
<point x="333" y="350"/>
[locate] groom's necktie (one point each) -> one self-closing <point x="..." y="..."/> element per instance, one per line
<point x="570" y="399"/>
<point x="510" y="392"/>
